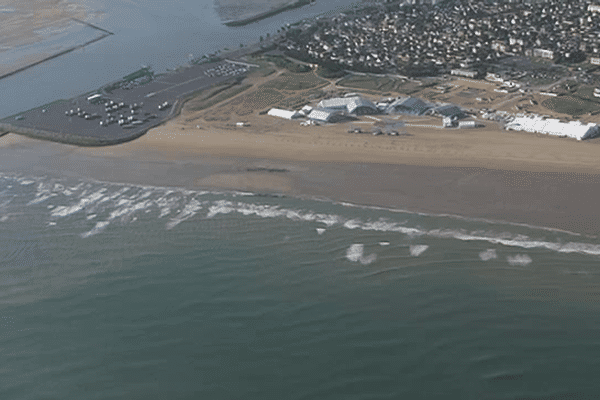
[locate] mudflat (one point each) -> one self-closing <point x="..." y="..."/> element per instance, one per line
<point x="24" y="22"/>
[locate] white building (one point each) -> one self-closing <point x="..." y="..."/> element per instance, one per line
<point x="277" y="112"/>
<point x="543" y="53"/>
<point x="595" y="60"/>
<point x="493" y="77"/>
<point x="448" y="122"/>
<point x="594" y="8"/>
<point x="468" y="124"/>
<point x="463" y="72"/>
<point x="554" y="127"/>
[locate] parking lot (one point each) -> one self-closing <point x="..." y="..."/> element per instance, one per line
<point x="125" y="113"/>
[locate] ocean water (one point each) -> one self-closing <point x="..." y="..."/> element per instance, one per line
<point x="158" y="33"/>
<point x="113" y="291"/>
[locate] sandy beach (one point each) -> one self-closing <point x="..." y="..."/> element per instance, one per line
<point x="487" y="173"/>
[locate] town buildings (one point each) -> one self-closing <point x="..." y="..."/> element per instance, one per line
<point x="461" y="35"/>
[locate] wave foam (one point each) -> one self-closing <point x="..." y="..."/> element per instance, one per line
<point x="189" y="211"/>
<point x="417" y="249"/>
<point x="488" y="255"/>
<point x="355" y="254"/>
<point x="520" y="260"/>
<point x="123" y="200"/>
<point x="100" y="226"/>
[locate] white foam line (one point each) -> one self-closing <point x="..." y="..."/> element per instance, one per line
<point x="100" y="226"/>
<point x="188" y="211"/>
<point x="417" y="250"/>
<point x="453" y="216"/>
<point x="63" y="211"/>
<point x="522" y="241"/>
<point x="40" y="199"/>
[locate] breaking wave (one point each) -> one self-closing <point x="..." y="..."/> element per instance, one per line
<point x="107" y="203"/>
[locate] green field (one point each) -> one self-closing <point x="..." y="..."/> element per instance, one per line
<point x="286" y="63"/>
<point x="374" y="83"/>
<point x="293" y="82"/>
<point x="296" y="102"/>
<point x="571" y="105"/>
<point x="256" y="100"/>
<point x="208" y="98"/>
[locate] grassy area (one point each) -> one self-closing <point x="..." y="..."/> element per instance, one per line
<point x="246" y="104"/>
<point x="375" y="83"/>
<point x="286" y="63"/>
<point x="331" y="71"/>
<point x="296" y="102"/>
<point x="265" y="68"/>
<point x="586" y="92"/>
<point x="293" y="82"/>
<point x="208" y="98"/>
<point x="571" y="105"/>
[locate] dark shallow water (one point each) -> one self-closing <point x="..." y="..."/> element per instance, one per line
<point x="120" y="291"/>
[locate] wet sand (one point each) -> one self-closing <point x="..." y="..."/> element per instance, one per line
<point x="24" y="22"/>
<point x="560" y="194"/>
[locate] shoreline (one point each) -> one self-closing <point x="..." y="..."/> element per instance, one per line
<point x="563" y="201"/>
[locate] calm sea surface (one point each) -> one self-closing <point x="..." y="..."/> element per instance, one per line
<point x="111" y="291"/>
<point x="117" y="291"/>
<point x="159" y="33"/>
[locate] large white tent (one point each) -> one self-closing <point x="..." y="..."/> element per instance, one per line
<point x="277" y="112"/>
<point x="555" y="127"/>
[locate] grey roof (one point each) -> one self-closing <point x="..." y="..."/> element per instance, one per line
<point x="360" y="102"/>
<point x="349" y="104"/>
<point x="409" y="105"/>
<point x="449" y="110"/>
<point x="323" y="114"/>
<point x="335" y="103"/>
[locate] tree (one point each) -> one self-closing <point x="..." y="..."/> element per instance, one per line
<point x="241" y="45"/>
<point x="268" y="34"/>
<point x="261" y="38"/>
